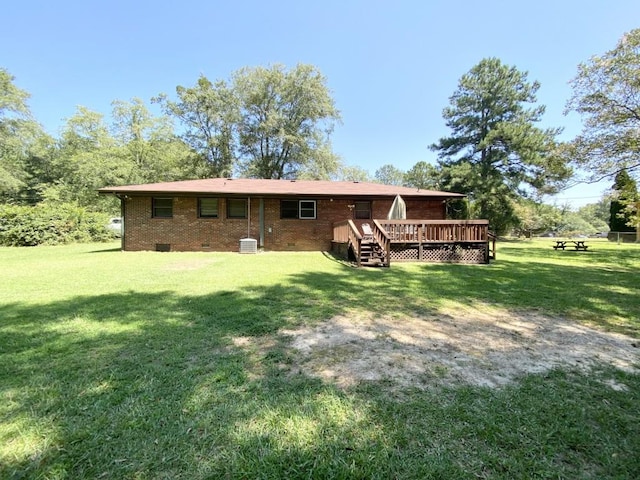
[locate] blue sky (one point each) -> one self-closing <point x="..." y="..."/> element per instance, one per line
<point x="391" y="66"/>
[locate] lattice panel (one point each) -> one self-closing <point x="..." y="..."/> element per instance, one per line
<point x="404" y="255"/>
<point x="449" y="254"/>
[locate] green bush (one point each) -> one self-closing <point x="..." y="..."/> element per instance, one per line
<point x="49" y="224"/>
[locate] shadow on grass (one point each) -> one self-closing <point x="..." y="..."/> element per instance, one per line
<point x="107" y="250"/>
<point x="152" y="385"/>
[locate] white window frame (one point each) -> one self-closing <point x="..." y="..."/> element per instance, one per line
<point x="300" y="209"/>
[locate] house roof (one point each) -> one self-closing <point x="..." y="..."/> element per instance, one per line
<point x="260" y="187"/>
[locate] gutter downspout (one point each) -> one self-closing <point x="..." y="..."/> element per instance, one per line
<point x="248" y="217"/>
<point x="122" y="217"/>
<point x="261" y="221"/>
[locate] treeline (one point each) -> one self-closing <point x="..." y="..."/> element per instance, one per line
<point x="276" y="122"/>
<point x="263" y="123"/>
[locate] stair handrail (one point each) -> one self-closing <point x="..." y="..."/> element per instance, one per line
<point x="347" y="232"/>
<point x="384" y="240"/>
<point x="355" y="240"/>
<point x="491" y="244"/>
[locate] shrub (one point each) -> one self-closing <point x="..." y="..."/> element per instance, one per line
<point x="50" y="224"/>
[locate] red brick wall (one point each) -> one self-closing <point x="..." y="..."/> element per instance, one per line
<point x="186" y="232"/>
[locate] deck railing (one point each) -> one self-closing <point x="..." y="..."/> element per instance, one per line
<point x="420" y="234"/>
<point x="347" y="232"/>
<point x="435" y="231"/>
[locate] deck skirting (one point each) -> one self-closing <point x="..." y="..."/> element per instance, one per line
<point x="439" y="252"/>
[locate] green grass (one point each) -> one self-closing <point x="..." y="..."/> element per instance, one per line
<point x="122" y="365"/>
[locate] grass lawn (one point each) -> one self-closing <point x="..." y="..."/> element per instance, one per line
<point x="127" y="365"/>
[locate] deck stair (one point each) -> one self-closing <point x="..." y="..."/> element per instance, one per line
<point x="382" y="242"/>
<point x="371" y="252"/>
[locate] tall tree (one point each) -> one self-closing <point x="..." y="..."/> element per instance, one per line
<point x="286" y="120"/>
<point x="86" y="159"/>
<point x="423" y="175"/>
<point x="495" y="152"/>
<point x="20" y="134"/>
<point x="136" y="147"/>
<point x="606" y="92"/>
<point x="210" y="113"/>
<point x="264" y="123"/>
<point x="149" y="144"/>
<point x="625" y="195"/>
<point x="389" y="175"/>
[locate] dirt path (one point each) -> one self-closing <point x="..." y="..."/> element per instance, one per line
<point x="474" y="347"/>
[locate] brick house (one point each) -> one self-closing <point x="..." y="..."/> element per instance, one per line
<point x="215" y="214"/>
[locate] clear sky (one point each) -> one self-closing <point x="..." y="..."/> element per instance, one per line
<point x="391" y="66"/>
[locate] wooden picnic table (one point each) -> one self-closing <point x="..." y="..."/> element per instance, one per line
<point x="577" y="245"/>
<point x="580" y="245"/>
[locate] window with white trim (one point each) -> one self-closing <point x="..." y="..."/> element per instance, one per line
<point x="308" y="209"/>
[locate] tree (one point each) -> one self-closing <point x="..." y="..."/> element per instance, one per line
<point x="423" y="176"/>
<point x="209" y="113"/>
<point x="286" y="120"/>
<point x="347" y="173"/>
<point x="20" y="137"/>
<point x="495" y="152"/>
<point x="625" y="197"/>
<point x="597" y="214"/>
<point x="389" y="175"/>
<point x="573" y="224"/>
<point x="148" y="143"/>
<point x="86" y="159"/>
<point x="606" y="92"/>
<point x="263" y="123"/>
<point x="535" y="217"/>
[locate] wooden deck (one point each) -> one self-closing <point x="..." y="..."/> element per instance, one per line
<point x="454" y="241"/>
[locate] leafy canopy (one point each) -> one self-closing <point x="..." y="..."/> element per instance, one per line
<point x="20" y="137"/>
<point x="136" y="147"/>
<point x="606" y="92"/>
<point x="389" y="175"/>
<point x="424" y="176"/>
<point x="263" y="123"/>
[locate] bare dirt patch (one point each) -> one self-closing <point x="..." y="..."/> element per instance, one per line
<point x="474" y="347"/>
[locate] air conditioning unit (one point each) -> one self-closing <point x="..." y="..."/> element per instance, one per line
<point x="248" y="245"/>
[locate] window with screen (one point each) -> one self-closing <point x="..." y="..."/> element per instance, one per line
<point x="363" y="210"/>
<point x="289" y="209"/>
<point x="208" y="207"/>
<point x="236" y="208"/>
<point x="162" y="207"/>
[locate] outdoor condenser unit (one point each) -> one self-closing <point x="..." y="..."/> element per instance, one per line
<point x="248" y="245"/>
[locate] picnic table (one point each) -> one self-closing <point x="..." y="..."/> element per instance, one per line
<point x="577" y="244"/>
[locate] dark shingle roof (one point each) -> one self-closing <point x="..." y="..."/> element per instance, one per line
<point x="259" y="187"/>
